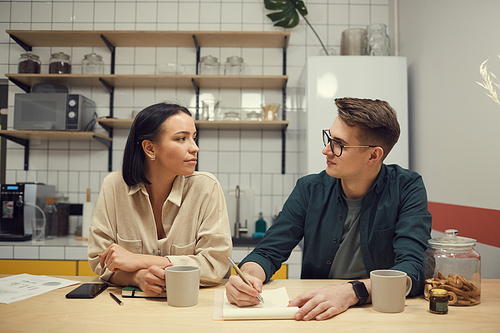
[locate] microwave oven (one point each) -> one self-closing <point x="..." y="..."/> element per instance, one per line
<point x="53" y="112"/>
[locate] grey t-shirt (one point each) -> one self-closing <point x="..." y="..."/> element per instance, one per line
<point x="348" y="262"/>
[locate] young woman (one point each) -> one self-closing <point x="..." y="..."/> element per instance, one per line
<point x="158" y="211"/>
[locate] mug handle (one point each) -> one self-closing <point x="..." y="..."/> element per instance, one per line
<point x="408" y="285"/>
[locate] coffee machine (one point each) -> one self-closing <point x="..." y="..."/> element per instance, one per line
<point x="18" y="208"/>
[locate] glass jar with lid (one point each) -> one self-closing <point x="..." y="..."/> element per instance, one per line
<point x="60" y="63"/>
<point x="452" y="263"/>
<point x="92" y="64"/>
<point x="234" y="66"/>
<point x="209" y="65"/>
<point x="29" y="63"/>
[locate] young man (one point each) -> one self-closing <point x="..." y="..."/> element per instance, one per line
<point x="356" y="216"/>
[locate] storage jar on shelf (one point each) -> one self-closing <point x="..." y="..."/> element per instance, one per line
<point x="452" y="263"/>
<point x="234" y="66"/>
<point x="29" y="63"/>
<point x="92" y="64"/>
<point x="60" y="63"/>
<point x="209" y="65"/>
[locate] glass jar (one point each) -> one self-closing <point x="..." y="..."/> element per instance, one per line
<point x="378" y="43"/>
<point x="92" y="64"/>
<point x="254" y="116"/>
<point x="209" y="66"/>
<point x="210" y="109"/>
<point x="452" y="263"/>
<point x="234" y="66"/>
<point x="60" y="63"/>
<point x="29" y="63"/>
<point x="438" y="301"/>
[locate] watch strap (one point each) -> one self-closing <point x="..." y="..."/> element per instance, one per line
<point x="361" y="291"/>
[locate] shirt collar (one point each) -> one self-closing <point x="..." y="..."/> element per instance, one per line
<point x="175" y="195"/>
<point x="377" y="186"/>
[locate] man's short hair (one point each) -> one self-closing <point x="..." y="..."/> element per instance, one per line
<point x="377" y="120"/>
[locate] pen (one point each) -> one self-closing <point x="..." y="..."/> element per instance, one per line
<point x="240" y="273"/>
<point x="117" y="300"/>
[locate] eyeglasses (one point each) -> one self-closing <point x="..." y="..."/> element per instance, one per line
<point x="337" y="147"/>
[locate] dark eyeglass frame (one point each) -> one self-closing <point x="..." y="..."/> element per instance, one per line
<point x="327" y="139"/>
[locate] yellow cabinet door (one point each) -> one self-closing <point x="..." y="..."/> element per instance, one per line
<point x="38" y="267"/>
<point x="84" y="269"/>
<point x="281" y="273"/>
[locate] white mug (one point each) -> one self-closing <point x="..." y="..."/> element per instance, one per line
<point x="182" y="284"/>
<point x="389" y="289"/>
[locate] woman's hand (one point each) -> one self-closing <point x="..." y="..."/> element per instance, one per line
<point x="151" y="280"/>
<point x="116" y="258"/>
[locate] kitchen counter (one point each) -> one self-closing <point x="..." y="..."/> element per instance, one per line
<point x="60" y="248"/>
<point x="68" y="248"/>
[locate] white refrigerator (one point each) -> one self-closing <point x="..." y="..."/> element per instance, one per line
<point x="328" y="77"/>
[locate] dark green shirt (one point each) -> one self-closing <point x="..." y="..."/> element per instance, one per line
<point x="395" y="225"/>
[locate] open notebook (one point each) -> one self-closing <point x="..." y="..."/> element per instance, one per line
<point x="275" y="306"/>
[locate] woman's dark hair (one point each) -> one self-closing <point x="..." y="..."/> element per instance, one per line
<point x="146" y="126"/>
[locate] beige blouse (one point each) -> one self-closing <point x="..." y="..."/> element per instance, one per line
<point x="194" y="218"/>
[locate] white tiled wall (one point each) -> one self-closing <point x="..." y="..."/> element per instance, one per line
<point x="246" y="158"/>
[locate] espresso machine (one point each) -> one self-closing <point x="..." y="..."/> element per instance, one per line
<point x="18" y="208"/>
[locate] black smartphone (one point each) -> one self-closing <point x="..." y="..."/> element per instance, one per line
<point x="87" y="290"/>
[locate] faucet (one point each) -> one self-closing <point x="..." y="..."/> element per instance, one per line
<point x="238" y="229"/>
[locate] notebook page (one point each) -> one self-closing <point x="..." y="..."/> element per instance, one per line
<point x="275" y="306"/>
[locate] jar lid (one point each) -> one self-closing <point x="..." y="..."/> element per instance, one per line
<point x="30" y="55"/>
<point x="209" y="59"/>
<point x="235" y="60"/>
<point x="452" y="240"/>
<point x="439" y="292"/>
<point x="60" y="55"/>
<point x="93" y="55"/>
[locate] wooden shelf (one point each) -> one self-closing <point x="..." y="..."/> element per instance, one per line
<point x="270" y="39"/>
<point x="54" y="135"/>
<point x="158" y="81"/>
<point x="242" y="124"/>
<point x="115" y="122"/>
<point x="205" y="124"/>
<point x="114" y="39"/>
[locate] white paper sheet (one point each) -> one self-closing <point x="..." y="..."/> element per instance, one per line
<point x="275" y="306"/>
<point x="18" y="287"/>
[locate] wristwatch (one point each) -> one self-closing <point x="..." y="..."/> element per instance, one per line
<point x="361" y="292"/>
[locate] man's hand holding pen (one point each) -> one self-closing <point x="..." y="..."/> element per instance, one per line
<point x="244" y="289"/>
<point x="240" y="293"/>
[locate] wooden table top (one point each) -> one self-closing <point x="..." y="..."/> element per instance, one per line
<point x="52" y="312"/>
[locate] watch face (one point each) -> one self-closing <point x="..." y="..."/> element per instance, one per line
<point x="361" y="291"/>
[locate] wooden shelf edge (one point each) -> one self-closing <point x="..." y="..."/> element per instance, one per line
<point x="153" y="38"/>
<point x="242" y="124"/>
<point x="206" y="124"/>
<point x="53" y="135"/>
<point x="115" y="122"/>
<point x="152" y="80"/>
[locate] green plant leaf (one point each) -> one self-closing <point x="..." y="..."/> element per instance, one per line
<point x="287" y="15"/>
